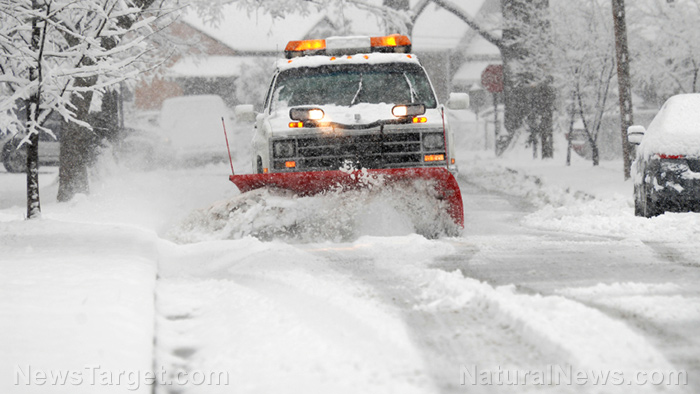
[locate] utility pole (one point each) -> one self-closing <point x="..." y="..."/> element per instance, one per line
<point x="623" y="80"/>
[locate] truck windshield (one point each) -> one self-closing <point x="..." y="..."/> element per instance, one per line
<point x="347" y="85"/>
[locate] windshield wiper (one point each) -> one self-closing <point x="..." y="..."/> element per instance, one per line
<point x="359" y="89"/>
<point x="414" y="94"/>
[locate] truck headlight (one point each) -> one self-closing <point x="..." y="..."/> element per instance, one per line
<point x="404" y="110"/>
<point x="304" y="114"/>
<point x="433" y="141"/>
<point x="283" y="148"/>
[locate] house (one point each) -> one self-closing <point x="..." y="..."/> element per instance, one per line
<point x="150" y="93"/>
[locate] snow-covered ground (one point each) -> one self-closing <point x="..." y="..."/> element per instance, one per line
<point x="582" y="198"/>
<point x="552" y="271"/>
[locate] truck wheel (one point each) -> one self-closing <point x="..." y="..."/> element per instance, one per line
<point x="14" y="160"/>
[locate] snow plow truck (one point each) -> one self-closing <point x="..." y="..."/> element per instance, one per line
<point x="342" y="109"/>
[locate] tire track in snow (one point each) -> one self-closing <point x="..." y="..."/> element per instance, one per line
<point x="278" y="319"/>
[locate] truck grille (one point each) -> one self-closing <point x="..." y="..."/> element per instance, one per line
<point x="372" y="151"/>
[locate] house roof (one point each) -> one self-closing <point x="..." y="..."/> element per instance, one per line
<point x="254" y="32"/>
<point x="211" y="66"/>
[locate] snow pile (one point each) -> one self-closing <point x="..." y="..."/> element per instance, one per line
<point x="337" y="215"/>
<point x="563" y="331"/>
<point x="654" y="302"/>
<point x="615" y="218"/>
<point x="582" y="199"/>
<point x="73" y="297"/>
<point x="497" y="176"/>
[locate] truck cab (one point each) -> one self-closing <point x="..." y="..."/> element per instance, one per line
<point x="351" y="102"/>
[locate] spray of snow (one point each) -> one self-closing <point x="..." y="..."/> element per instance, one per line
<point x="337" y="215"/>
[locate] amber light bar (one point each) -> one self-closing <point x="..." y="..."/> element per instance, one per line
<point x="394" y="40"/>
<point x="305" y="45"/>
<point x="395" y="43"/>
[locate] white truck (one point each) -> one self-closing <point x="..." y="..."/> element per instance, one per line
<point x="362" y="101"/>
<point x="347" y="104"/>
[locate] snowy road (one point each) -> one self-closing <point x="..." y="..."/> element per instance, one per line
<point x="406" y="314"/>
<point x="542" y="287"/>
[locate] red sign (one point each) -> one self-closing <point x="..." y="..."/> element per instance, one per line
<point x="492" y="78"/>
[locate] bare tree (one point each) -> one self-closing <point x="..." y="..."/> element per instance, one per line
<point x="665" y="43"/>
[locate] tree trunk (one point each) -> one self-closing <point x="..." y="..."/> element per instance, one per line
<point x="544" y="107"/>
<point x="77" y="142"/>
<point x="570" y="135"/>
<point x="525" y="98"/>
<point x="33" y="201"/>
<point x="106" y="123"/>
<point x="76" y="145"/>
<point x="623" y="78"/>
<point x="595" y="152"/>
<point x="515" y="103"/>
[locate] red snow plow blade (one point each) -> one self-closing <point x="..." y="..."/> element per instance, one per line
<point x="310" y="183"/>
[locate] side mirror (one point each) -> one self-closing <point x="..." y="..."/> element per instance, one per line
<point x="458" y="101"/>
<point x="635" y="134"/>
<point x="244" y="113"/>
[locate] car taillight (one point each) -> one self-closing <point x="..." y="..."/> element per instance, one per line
<point x="673" y="157"/>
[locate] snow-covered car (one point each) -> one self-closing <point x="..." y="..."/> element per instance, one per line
<point x="365" y="102"/>
<point x="666" y="169"/>
<point x="15" y="160"/>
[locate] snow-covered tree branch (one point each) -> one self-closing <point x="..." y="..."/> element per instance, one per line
<point x="55" y="54"/>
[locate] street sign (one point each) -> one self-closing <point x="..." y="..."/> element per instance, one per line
<point x="492" y="78"/>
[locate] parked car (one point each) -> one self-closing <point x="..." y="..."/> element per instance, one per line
<point x="666" y="169"/>
<point x="15" y="160"/>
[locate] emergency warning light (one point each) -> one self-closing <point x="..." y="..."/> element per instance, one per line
<point x="395" y="43"/>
